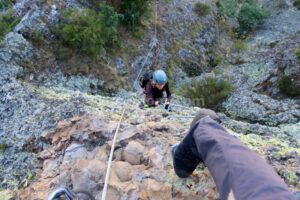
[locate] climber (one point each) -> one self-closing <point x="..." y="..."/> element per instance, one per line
<point x="236" y="169"/>
<point x="154" y="84"/>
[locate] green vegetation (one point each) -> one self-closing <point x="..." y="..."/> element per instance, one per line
<point x="273" y="44"/>
<point x="208" y="92"/>
<point x="288" y="86"/>
<point x="27" y="66"/>
<point x="4" y="4"/>
<point x="94" y="30"/>
<point x="7" y="21"/>
<point x="2" y="148"/>
<point x="91" y="31"/>
<point x="240" y="45"/>
<point x="37" y="37"/>
<point x="133" y="12"/>
<point x="248" y="13"/>
<point x="297" y="53"/>
<point x="202" y="9"/>
<point x="227" y="8"/>
<point x="216" y="60"/>
<point x="250" y="16"/>
<point x="6" y="194"/>
<point x="290" y="177"/>
<point x="297" y="4"/>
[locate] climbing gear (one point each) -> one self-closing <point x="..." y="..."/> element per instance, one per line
<point x="66" y="193"/>
<point x="63" y="192"/>
<point x="167" y="105"/>
<point x="160" y="77"/>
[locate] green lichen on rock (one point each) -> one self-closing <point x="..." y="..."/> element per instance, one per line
<point x="49" y="93"/>
<point x="279" y="149"/>
<point x="297" y="50"/>
<point x="290" y="177"/>
<point x="6" y="195"/>
<point x="2" y="148"/>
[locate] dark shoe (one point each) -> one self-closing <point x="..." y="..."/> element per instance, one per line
<point x="185" y="156"/>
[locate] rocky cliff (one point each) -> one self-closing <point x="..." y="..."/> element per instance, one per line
<point x="56" y="127"/>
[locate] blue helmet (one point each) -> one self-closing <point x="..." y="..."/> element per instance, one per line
<point x="160" y="77"/>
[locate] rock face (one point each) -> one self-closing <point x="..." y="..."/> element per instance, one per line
<point x="270" y="57"/>
<point x="71" y="158"/>
<point x="75" y="155"/>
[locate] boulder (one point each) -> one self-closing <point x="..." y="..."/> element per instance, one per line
<point x="133" y="153"/>
<point x="86" y="174"/>
<point x="123" y="170"/>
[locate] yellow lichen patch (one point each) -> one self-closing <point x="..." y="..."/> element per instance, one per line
<point x="6" y="194"/>
<point x="262" y="145"/>
<point x="49" y="93"/>
<point x="254" y="142"/>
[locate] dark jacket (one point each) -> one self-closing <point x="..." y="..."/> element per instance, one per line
<point x="153" y="94"/>
<point x="235" y="167"/>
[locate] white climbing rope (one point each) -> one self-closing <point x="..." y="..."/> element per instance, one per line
<point x="110" y="157"/>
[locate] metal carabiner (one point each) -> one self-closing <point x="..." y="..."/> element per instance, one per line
<point x="68" y="194"/>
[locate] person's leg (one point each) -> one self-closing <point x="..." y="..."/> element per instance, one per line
<point x="233" y="166"/>
<point x="185" y="154"/>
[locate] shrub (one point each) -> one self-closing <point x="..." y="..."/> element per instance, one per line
<point x="250" y="16"/>
<point x="133" y="11"/>
<point x="5" y="4"/>
<point x="216" y="60"/>
<point x="297" y="4"/>
<point x="297" y="53"/>
<point x="2" y="148"/>
<point x="227" y="8"/>
<point x="287" y="86"/>
<point x="208" y="92"/>
<point x="91" y="31"/>
<point x="7" y="21"/>
<point x="240" y="45"/>
<point x="202" y="9"/>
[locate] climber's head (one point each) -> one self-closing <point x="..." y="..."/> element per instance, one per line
<point x="159" y="79"/>
<point x="203" y="113"/>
